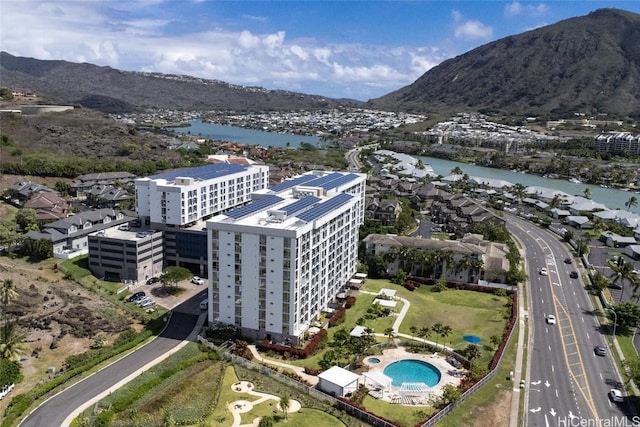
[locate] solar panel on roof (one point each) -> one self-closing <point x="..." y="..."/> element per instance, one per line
<point x="323" y="208"/>
<point x="253" y="207"/>
<point x="338" y="182"/>
<point x="299" y="205"/>
<point x="215" y="170"/>
<point x="319" y="181"/>
<point x="291" y="183"/>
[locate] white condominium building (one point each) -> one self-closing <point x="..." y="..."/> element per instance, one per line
<point x="184" y="196"/>
<point x="277" y="262"/>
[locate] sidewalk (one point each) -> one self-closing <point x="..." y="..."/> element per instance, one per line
<point x="312" y="379"/>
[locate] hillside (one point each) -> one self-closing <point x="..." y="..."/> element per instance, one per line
<point x="111" y="90"/>
<point x="589" y="64"/>
<point x="80" y="133"/>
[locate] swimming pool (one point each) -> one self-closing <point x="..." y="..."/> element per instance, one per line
<point x="373" y="360"/>
<point x="412" y="371"/>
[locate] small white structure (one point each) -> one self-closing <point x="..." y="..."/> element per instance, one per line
<point x="358" y="331"/>
<point x="387" y="292"/>
<point x="385" y="302"/>
<point x="337" y="381"/>
<point x="377" y="380"/>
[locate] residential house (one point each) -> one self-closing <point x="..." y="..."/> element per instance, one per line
<point x="49" y="206"/>
<point x="385" y="211"/>
<point x="472" y="257"/>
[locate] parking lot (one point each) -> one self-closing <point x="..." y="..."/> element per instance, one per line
<point x="158" y="294"/>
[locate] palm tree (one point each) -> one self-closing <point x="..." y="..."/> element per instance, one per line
<point x="7" y="293"/>
<point x="414" y="330"/>
<point x="624" y="273"/>
<point x="456" y="171"/>
<point x="556" y="201"/>
<point x="424" y="334"/>
<point x="285" y="403"/>
<point x="389" y="333"/>
<point x="518" y="191"/>
<point x="599" y="281"/>
<point x="582" y="246"/>
<point x="437" y="329"/>
<point x="587" y="193"/>
<point x="631" y="203"/>
<point x="445" y="331"/>
<point x="11" y="342"/>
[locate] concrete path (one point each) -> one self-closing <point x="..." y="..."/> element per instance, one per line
<point x="312" y="379"/>
<point x="239" y="407"/>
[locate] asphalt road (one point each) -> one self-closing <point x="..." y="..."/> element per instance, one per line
<point x="567" y="383"/>
<point x="54" y="411"/>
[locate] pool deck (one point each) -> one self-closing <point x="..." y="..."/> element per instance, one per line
<point x="392" y="394"/>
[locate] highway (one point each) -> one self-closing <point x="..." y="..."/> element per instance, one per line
<point x="56" y="410"/>
<point x="566" y="382"/>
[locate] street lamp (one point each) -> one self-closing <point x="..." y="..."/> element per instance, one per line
<point x="615" y="320"/>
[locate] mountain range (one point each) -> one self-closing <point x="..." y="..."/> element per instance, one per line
<point x="588" y="64"/>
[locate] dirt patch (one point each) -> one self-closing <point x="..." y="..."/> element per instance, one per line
<point x="59" y="317"/>
<point x="496" y="415"/>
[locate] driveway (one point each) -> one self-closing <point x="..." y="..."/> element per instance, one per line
<point x="185" y="322"/>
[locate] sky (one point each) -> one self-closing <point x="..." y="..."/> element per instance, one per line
<point x="356" y="49"/>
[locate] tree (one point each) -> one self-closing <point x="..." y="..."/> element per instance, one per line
<point x="450" y="394"/>
<point x="623" y="272"/>
<point x="285" y="403"/>
<point x="172" y="276"/>
<point x="495" y="340"/>
<point x="472" y="352"/>
<point x="445" y="331"/>
<point x="568" y="236"/>
<point x="599" y="281"/>
<point x="456" y="171"/>
<point x="8" y="294"/>
<point x="10" y="372"/>
<point x="437" y="329"/>
<point x="631" y="203"/>
<point x="414" y="330"/>
<point x="633" y="369"/>
<point x="627" y="315"/>
<point x="389" y="333"/>
<point x="26" y="219"/>
<point x="582" y="246"/>
<point x="424" y="334"/>
<point x="518" y="191"/>
<point x="11" y="342"/>
<point x="587" y="193"/>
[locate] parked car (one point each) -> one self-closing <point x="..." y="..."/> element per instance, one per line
<point x="543" y="272"/>
<point x="142" y="301"/>
<point x="600" y="350"/>
<point x="153" y="280"/>
<point x="197" y="280"/>
<point x="615" y="395"/>
<point x="6" y="389"/>
<point x="573" y="274"/>
<point x="551" y="319"/>
<point x="148" y="303"/>
<point x="137" y="296"/>
<point x="204" y="304"/>
<point x="568" y="261"/>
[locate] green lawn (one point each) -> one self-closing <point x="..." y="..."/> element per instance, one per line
<point x="466" y="312"/>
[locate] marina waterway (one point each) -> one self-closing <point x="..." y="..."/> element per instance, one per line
<point x="245" y="136"/>
<point x="612" y="198"/>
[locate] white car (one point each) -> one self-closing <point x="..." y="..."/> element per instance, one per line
<point x="543" y="272"/>
<point x="551" y="319"/>
<point x="197" y="280"/>
<point x="6" y="389"/>
<point x="615" y="395"/>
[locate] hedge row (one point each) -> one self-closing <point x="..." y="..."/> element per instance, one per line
<point x="505" y="335"/>
<point x="335" y="319"/>
<point x="300" y="353"/>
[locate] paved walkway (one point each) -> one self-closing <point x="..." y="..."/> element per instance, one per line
<point x="522" y="332"/>
<point x="312" y="379"/>
<point x="239" y="407"/>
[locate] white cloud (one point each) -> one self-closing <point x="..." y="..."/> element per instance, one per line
<point x="513" y="9"/>
<point x="473" y="30"/>
<point x="533" y="10"/>
<point x="137" y="40"/>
